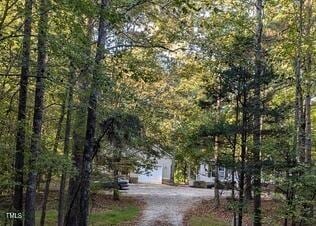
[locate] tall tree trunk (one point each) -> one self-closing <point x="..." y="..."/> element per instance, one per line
<point x="216" y="152"/>
<point x="308" y="210"/>
<point x="233" y="182"/>
<point x="308" y="128"/>
<point x="173" y="166"/>
<point x="20" y="136"/>
<point x="242" y="159"/>
<point x="38" y="114"/>
<point x="72" y="211"/>
<point x="61" y="200"/>
<point x="49" y="174"/>
<point x="299" y="124"/>
<point x="257" y="114"/>
<point x="216" y="176"/>
<point x="116" y="194"/>
<point x="248" y="185"/>
<point x="288" y="196"/>
<point x="92" y="120"/>
<point x="188" y="173"/>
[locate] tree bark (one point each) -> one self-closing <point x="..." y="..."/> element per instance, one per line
<point x="216" y="179"/>
<point x="72" y="211"/>
<point x="49" y="174"/>
<point x="216" y="153"/>
<point x="257" y="114"/>
<point x="173" y="166"/>
<point x="188" y="173"/>
<point x="20" y="136"/>
<point x="308" y="128"/>
<point x="92" y="120"/>
<point x="61" y="200"/>
<point x="233" y="182"/>
<point x="116" y="194"/>
<point x="242" y="157"/>
<point x="299" y="121"/>
<point x="248" y="186"/>
<point x="308" y="210"/>
<point x="38" y="114"/>
<point x="308" y="132"/>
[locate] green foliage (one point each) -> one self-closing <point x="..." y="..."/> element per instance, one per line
<point x="121" y="129"/>
<point x="166" y="64"/>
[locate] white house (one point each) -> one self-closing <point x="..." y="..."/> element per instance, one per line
<point x="207" y="173"/>
<point x="162" y="172"/>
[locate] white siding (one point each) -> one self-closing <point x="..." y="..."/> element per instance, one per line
<point x="204" y="175"/>
<point x="165" y="163"/>
<point x="154" y="177"/>
<point x="161" y="171"/>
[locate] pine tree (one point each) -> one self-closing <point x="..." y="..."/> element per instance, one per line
<point x="20" y="136"/>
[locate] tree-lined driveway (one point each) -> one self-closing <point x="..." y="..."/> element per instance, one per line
<point x="166" y="204"/>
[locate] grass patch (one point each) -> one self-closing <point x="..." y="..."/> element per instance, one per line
<point x="50" y="219"/>
<point x="104" y="211"/>
<point x="115" y="216"/>
<point x="206" y="221"/>
<point x="108" y="217"/>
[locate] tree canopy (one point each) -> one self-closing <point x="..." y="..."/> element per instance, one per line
<point x="227" y="83"/>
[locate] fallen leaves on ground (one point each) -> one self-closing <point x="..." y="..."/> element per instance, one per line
<point x="224" y="213"/>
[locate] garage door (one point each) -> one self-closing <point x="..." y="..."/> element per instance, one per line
<point x="154" y="177"/>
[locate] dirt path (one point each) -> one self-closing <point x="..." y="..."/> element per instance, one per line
<point x="166" y="205"/>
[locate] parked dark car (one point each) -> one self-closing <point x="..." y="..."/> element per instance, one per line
<point x="122" y="184"/>
<point x="109" y="183"/>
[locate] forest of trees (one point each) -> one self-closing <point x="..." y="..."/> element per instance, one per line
<point x="83" y="82"/>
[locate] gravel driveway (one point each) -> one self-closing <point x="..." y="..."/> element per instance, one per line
<point x="166" y="204"/>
